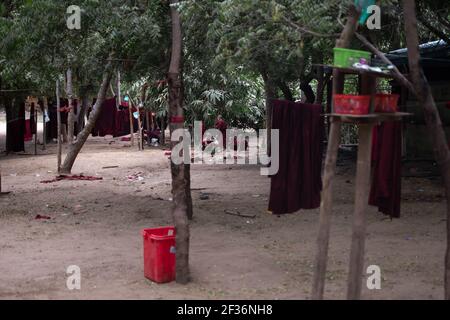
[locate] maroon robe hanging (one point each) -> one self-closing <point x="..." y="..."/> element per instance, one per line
<point x="386" y="162"/>
<point x="298" y="183"/>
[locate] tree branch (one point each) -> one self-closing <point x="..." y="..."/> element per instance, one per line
<point x="310" y="32"/>
<point x="395" y="72"/>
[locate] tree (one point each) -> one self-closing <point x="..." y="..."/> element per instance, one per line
<point x="176" y="116"/>
<point x="432" y="118"/>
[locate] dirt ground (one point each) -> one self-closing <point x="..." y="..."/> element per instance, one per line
<point x="96" y="225"/>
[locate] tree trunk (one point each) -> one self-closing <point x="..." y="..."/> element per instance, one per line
<point x="270" y="91"/>
<point x="179" y="210"/>
<point x="44" y="111"/>
<point x="75" y="148"/>
<point x="58" y="120"/>
<point x="71" y="116"/>
<point x="287" y="93"/>
<point x="84" y="106"/>
<point x="432" y="118"/>
<point x="308" y="91"/>
<point x="119" y="92"/>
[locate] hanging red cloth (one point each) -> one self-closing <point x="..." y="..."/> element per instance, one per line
<point x="28" y="135"/>
<point x="298" y="183"/>
<point x="386" y="163"/>
<point x="106" y="122"/>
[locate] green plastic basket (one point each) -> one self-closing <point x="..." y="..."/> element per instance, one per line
<point x="344" y="58"/>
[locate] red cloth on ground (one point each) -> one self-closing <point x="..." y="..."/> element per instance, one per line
<point x="298" y="183"/>
<point x="28" y="135"/>
<point x="386" y="162"/>
<point x="106" y="122"/>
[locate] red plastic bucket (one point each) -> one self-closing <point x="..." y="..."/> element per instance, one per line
<point x="159" y="254"/>
<point x="350" y="104"/>
<point x="386" y="102"/>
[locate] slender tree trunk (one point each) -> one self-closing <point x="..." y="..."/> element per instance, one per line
<point x="163" y="131"/>
<point x="130" y="114"/>
<point x="140" y="144"/>
<point x="432" y="118"/>
<point x="59" y="129"/>
<point x="308" y="91"/>
<point x="270" y="91"/>
<point x="82" y="112"/>
<point x="179" y="210"/>
<point x="287" y="93"/>
<point x="44" y="112"/>
<point x="71" y="116"/>
<point x="119" y="92"/>
<point x="148" y="127"/>
<point x="75" y="148"/>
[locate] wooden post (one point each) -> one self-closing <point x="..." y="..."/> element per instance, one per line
<point x="330" y="168"/>
<point x="362" y="186"/>
<point x="58" y="119"/>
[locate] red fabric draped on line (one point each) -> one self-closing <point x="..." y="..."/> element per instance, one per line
<point x="386" y="162"/>
<point x="106" y="122"/>
<point x="298" y="183"/>
<point x="15" y="127"/>
<point x="28" y="135"/>
<point x="123" y="122"/>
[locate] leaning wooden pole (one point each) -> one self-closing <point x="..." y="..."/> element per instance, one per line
<point x="432" y="118"/>
<point x="334" y="138"/>
<point x="176" y="114"/>
<point x="58" y="119"/>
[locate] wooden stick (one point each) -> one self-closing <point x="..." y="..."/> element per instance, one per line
<point x="330" y="168"/>
<point x="238" y="214"/>
<point x="362" y="185"/>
